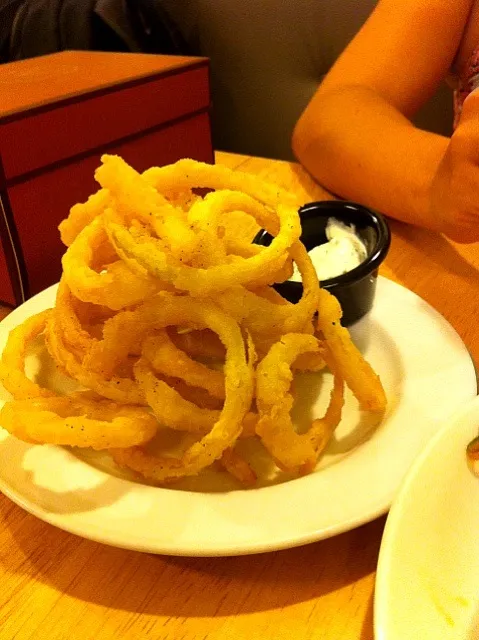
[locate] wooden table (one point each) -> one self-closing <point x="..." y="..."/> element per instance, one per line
<point x="57" y="586"/>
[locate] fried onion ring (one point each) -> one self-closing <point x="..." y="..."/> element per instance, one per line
<point x="116" y="287"/>
<point x="290" y="450"/>
<point x="349" y="362"/>
<point x="12" y="363"/>
<point x="228" y="427"/>
<point x="163" y="306"/>
<point x="176" y="412"/>
<point x="167" y="359"/>
<point x="78" y="421"/>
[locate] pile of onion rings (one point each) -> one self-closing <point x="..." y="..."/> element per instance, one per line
<point x="166" y="319"/>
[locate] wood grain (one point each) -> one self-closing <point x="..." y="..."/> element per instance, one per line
<point x="57" y="586"/>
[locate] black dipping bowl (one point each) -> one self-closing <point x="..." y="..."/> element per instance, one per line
<point x="355" y="289"/>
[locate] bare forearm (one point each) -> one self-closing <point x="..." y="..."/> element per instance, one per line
<point x="359" y="147"/>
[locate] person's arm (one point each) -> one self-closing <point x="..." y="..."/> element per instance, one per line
<point x="355" y="136"/>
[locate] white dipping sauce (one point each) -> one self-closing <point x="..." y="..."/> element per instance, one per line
<point x="343" y="252"/>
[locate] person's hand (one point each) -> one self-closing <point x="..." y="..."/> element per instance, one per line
<point x="454" y="191"/>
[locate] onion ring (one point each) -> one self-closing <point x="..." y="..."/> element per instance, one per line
<point x="117" y="287"/>
<point x="167" y="359"/>
<point x="348" y="360"/>
<point x="176" y="412"/>
<point x="78" y="421"/>
<point x="12" y="363"/>
<point x="239" y="392"/>
<point x="290" y="450"/>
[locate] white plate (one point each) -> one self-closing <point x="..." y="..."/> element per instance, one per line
<point x="426" y="371"/>
<point x="427" y="583"/>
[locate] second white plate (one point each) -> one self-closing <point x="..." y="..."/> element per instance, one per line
<point x="427" y="373"/>
<point x="427" y="583"/>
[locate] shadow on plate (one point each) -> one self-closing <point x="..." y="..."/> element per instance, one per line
<point x="14" y="456"/>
